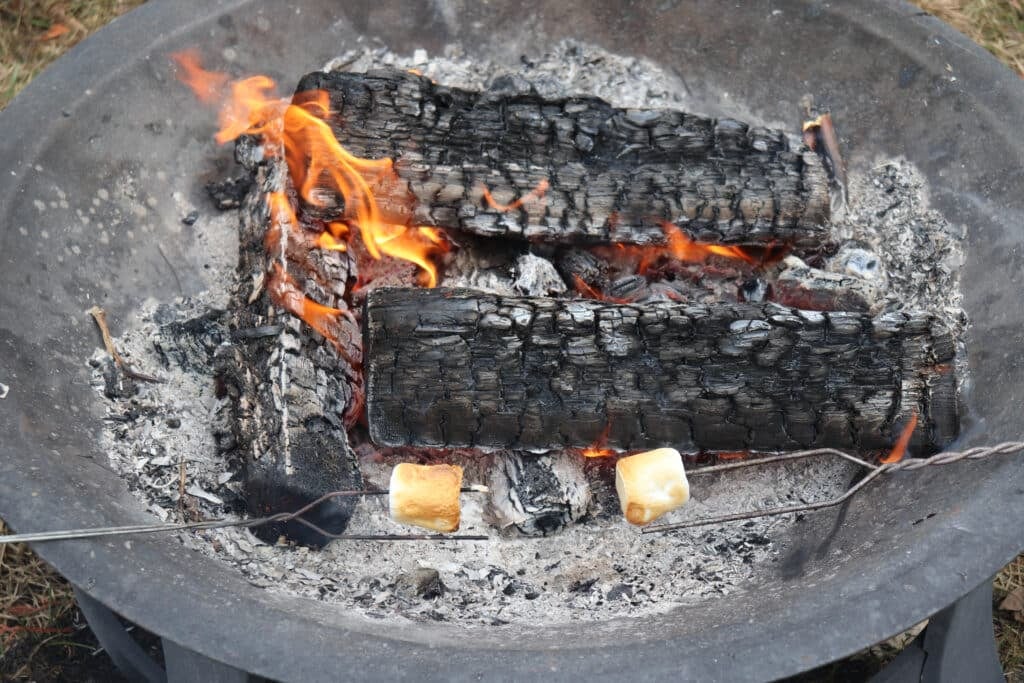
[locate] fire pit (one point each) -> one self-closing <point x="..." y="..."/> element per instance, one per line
<point x="924" y="517"/>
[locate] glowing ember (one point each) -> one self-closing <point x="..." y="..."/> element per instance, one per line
<point x="681" y="248"/>
<point x="597" y="449"/>
<point x="317" y="163"/>
<point x="731" y="456"/>
<point x="900" y="449"/>
<point x="586" y="290"/>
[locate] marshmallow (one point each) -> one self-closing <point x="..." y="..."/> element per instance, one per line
<point x="426" y="496"/>
<point x="650" y="484"/>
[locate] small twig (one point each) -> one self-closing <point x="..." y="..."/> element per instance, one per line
<point x="821" y="128"/>
<point x="174" y="273"/>
<point x="100" y="316"/>
<point x="181" y="488"/>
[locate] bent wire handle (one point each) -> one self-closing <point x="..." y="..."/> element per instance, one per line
<point x="910" y="465"/>
<point x="295" y="516"/>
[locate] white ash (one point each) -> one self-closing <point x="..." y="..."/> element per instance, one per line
<point x="921" y="253"/>
<point x="570" y="68"/>
<point x="599" y="569"/>
<point x="536" y="276"/>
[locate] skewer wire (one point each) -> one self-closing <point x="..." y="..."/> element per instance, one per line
<point x="295" y="516"/>
<point x="874" y="471"/>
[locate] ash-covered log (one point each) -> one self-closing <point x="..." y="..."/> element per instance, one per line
<point x="537" y="495"/>
<point x="573" y="170"/>
<point x="464" y="368"/>
<point x="290" y="388"/>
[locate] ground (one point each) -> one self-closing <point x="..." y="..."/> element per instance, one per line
<point x="42" y="634"/>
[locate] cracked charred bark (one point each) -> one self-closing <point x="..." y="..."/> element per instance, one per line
<point x="612" y="175"/>
<point x="464" y="368"/>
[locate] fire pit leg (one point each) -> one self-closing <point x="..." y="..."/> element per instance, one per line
<point x="182" y="665"/>
<point x="127" y="655"/>
<point x="958" y="645"/>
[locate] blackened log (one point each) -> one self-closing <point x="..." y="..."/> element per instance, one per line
<point x="463" y="368"/>
<point x="612" y="175"/>
<point x="289" y="388"/>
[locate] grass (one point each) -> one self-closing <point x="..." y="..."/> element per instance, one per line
<point x="1010" y="631"/>
<point x="35" y="606"/>
<point x="41" y="636"/>
<point x="35" y="32"/>
<point x="996" y="25"/>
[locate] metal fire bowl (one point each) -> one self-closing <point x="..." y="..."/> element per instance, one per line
<point x="899" y="82"/>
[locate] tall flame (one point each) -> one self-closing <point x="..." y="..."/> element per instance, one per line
<point x="317" y="163"/>
<point x="899" y="449"/>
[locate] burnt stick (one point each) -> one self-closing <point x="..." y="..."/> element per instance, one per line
<point x="607" y="174"/>
<point x="469" y="369"/>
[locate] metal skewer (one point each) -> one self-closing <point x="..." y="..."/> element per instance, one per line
<point x="908" y="464"/>
<point x="296" y="516"/>
<point x="874" y="471"/>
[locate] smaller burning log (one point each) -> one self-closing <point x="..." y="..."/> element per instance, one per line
<point x="464" y="368"/>
<point x="508" y="162"/>
<point x="291" y="390"/>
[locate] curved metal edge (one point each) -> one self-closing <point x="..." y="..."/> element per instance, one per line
<point x="365" y="653"/>
<point x="96" y="60"/>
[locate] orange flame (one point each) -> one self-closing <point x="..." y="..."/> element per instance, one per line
<point x="680" y="247"/>
<point x="208" y="86"/>
<point x="683" y="248"/>
<point x="900" y="448"/>
<point x="597" y="449"/>
<point x="317" y="163"/>
<point x="338" y="230"/>
<point x="326" y="240"/>
<point x="591" y="293"/>
<point x="536" y="193"/>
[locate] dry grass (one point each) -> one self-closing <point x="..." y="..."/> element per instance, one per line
<point x="36" y="606"/>
<point x="1010" y="631"/>
<point x="996" y="25"/>
<point x="35" y="32"/>
<point x="37" y="612"/>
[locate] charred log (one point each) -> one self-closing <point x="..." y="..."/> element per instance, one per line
<point x="289" y="387"/>
<point x="573" y="170"/>
<point x="463" y="368"/>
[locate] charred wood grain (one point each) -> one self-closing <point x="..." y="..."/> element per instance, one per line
<point x="464" y="368"/>
<point x="288" y="387"/>
<point x="612" y="175"/>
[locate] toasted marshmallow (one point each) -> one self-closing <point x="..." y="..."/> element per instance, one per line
<point x="426" y="496"/>
<point x="650" y="484"/>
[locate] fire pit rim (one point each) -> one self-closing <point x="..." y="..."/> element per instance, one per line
<point x="195" y="617"/>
